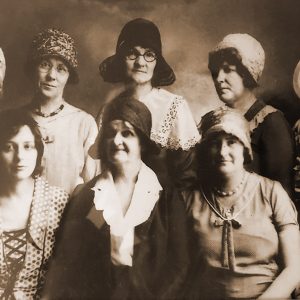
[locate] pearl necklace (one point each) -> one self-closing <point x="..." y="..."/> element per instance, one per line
<point x="233" y="191"/>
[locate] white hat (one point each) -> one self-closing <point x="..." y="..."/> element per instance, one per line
<point x="296" y="80"/>
<point x="250" y="50"/>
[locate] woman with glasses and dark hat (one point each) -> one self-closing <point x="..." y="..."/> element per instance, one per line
<point x="246" y="240"/>
<point x="30" y="208"/>
<point x="140" y="65"/>
<point x="68" y="132"/>
<point x="236" y="64"/>
<point x="124" y="236"/>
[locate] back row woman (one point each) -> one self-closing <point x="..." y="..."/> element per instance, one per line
<point x="139" y="64"/>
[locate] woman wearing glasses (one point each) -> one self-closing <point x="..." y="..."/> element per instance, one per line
<point x="68" y="132"/>
<point x="140" y="65"/>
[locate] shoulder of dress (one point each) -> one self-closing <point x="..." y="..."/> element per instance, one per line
<point x="262" y="115"/>
<point x="169" y="97"/>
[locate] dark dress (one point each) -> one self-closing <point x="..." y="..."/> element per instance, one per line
<point x="82" y="267"/>
<point x="272" y="143"/>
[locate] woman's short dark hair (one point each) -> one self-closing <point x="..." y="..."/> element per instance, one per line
<point x="232" y="57"/>
<point x="10" y="123"/>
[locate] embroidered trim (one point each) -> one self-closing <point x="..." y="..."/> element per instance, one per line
<point x="260" y="117"/>
<point x="163" y="136"/>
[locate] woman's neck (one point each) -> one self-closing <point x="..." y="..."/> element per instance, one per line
<point x="244" y="102"/>
<point x="229" y="182"/>
<point x="138" y="91"/>
<point x="15" y="189"/>
<point x="126" y="173"/>
<point x="48" y="105"/>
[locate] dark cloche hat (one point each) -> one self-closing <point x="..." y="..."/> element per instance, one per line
<point x="138" y="32"/>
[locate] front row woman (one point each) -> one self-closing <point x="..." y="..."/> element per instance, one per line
<point x="246" y="235"/>
<point x="30" y="209"/>
<point x="123" y="236"/>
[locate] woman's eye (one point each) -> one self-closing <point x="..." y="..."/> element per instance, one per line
<point x="132" y="54"/>
<point x="8" y="147"/>
<point x="44" y="64"/>
<point x="62" y="69"/>
<point x="150" y="55"/>
<point x="29" y="146"/>
<point x="127" y="133"/>
<point x="232" y="141"/>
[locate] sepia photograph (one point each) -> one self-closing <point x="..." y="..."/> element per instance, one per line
<point x="149" y="150"/>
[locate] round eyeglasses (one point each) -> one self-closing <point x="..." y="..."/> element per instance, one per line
<point x="149" y="56"/>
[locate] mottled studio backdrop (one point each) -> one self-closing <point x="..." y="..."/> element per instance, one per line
<point x="189" y="29"/>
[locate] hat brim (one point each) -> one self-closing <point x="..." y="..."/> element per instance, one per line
<point x="110" y="70"/>
<point x="296" y="80"/>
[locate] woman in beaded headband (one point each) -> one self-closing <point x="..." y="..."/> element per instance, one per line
<point x="140" y="66"/>
<point x="67" y="131"/>
<point x="244" y="225"/>
<point x="236" y="65"/>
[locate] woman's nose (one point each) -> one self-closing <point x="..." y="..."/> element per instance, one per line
<point x="19" y="153"/>
<point x="118" y="139"/>
<point x="223" y="148"/>
<point x="140" y="61"/>
<point x="51" y="73"/>
<point x="220" y="75"/>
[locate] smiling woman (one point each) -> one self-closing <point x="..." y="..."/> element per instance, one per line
<point x="68" y="132"/>
<point x="246" y="241"/>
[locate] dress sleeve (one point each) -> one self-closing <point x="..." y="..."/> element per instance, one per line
<point x="284" y="211"/>
<point x="278" y="153"/>
<point x="297" y="163"/>
<point x="91" y="166"/>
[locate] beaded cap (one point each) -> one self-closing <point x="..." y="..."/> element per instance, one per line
<point x="54" y="42"/>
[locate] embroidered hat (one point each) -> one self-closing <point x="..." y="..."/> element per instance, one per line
<point x="249" y="49"/>
<point x="133" y="111"/>
<point x="228" y="120"/>
<point x="54" y="42"/>
<point x="138" y="32"/>
<point x="2" y="70"/>
<point x="296" y="80"/>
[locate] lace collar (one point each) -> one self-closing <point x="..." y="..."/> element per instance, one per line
<point x="146" y="193"/>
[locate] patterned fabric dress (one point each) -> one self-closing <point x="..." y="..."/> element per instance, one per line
<point x="25" y="254"/>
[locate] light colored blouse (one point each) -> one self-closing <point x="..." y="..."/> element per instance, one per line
<point x="67" y="137"/>
<point x="173" y="126"/>
<point x="241" y="251"/>
<point x="47" y="206"/>
<point x="145" y="195"/>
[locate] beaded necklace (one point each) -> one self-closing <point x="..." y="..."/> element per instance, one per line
<point x="233" y="191"/>
<point x="44" y="115"/>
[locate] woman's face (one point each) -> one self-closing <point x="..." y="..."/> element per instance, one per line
<point x="226" y="153"/>
<point x="52" y="76"/>
<point x="229" y="84"/>
<point x="140" y="64"/>
<point x="19" y="154"/>
<point x="121" y="142"/>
